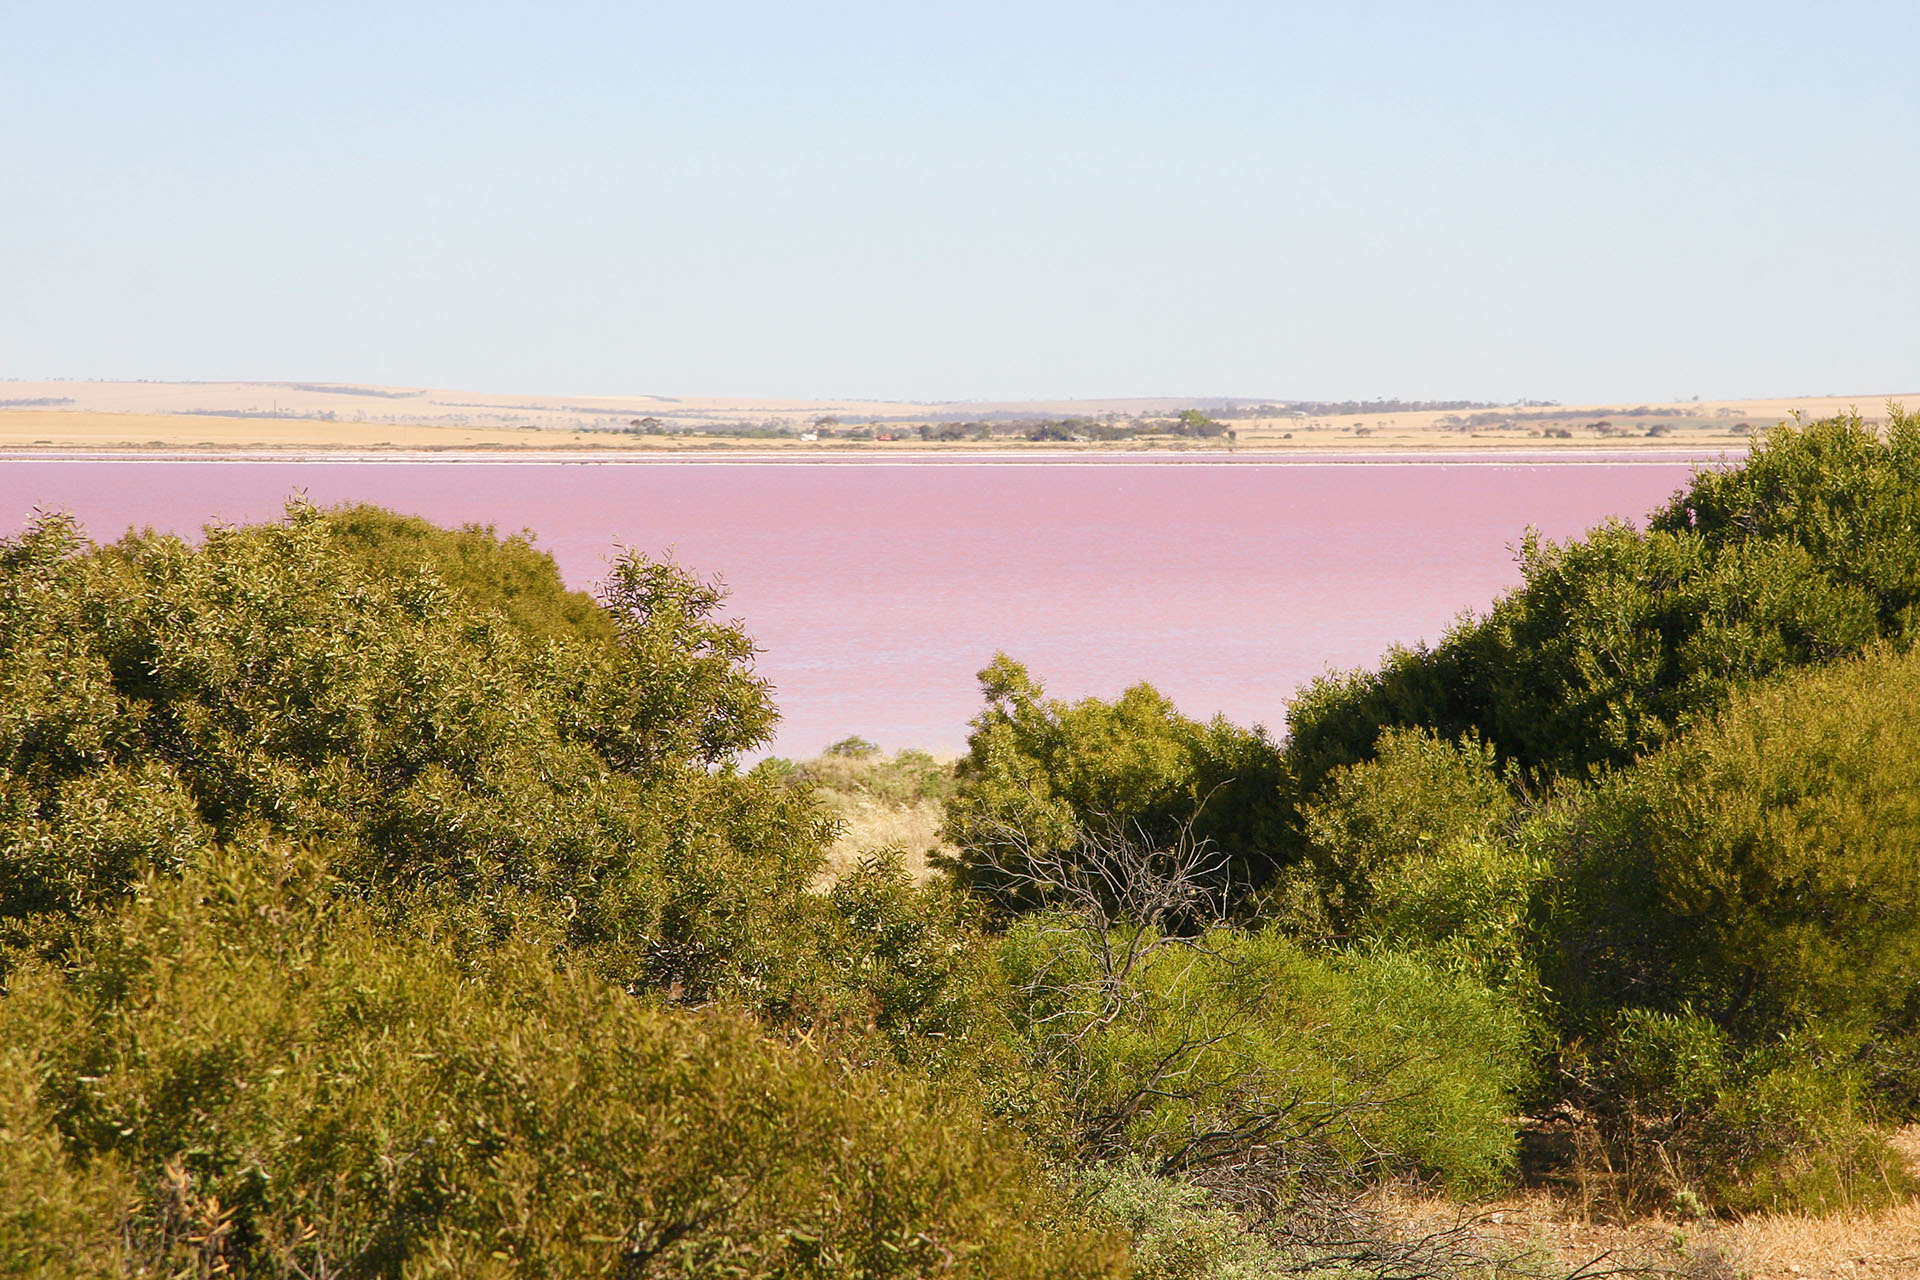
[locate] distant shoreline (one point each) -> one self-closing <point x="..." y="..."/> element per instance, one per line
<point x="326" y="423"/>
<point x="1500" y="455"/>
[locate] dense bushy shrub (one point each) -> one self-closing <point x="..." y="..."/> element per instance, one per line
<point x="1337" y="719"/>
<point x="1709" y="887"/>
<point x="332" y="688"/>
<point x="506" y="574"/>
<point x="244" y="1070"/>
<point x="905" y="962"/>
<point x="1415" y="850"/>
<point x="1675" y="1113"/>
<point x="1176" y="1229"/>
<point x="1244" y="1055"/>
<point x="1849" y="496"/>
<point x="1765" y="869"/>
<point x="1040" y="774"/>
<point x="1806" y="552"/>
<point x="1735" y="945"/>
<point x="1418" y="791"/>
<point x="1622" y="639"/>
<point x="57" y="1218"/>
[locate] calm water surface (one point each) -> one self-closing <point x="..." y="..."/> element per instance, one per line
<point x="877" y="590"/>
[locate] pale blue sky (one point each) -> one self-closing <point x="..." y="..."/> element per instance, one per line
<point x="1493" y="201"/>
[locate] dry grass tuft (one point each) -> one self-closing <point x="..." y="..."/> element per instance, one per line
<point x="1860" y="1246"/>
<point x="870" y="824"/>
<point x="883" y="802"/>
<point x="1854" y="1247"/>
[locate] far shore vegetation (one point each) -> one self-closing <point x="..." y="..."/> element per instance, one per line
<point x="374" y="420"/>
<point x="373" y="905"/>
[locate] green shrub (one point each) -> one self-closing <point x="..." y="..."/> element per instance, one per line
<point x="505" y="574"/>
<point x="57" y="1218"/>
<point x="1337" y="719"/>
<point x="332" y="687"/>
<point x="1243" y="1050"/>
<point x="1421" y="849"/>
<point x="1622" y="640"/>
<point x="1737" y="936"/>
<point x="243" y="1069"/>
<point x="1806" y="552"/>
<point x="905" y="962"/>
<point x="1418" y="793"/>
<point x="1848" y="495"/>
<point x="1679" y="1115"/>
<point x="1799" y="1135"/>
<point x="1040" y="775"/>
<point x="1764" y="869"/>
<point x="1453" y="1060"/>
<point x="1178" y="1231"/>
<point x="1468" y="906"/>
<point x="1669" y="1064"/>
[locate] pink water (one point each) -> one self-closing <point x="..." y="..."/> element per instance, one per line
<point x="877" y="590"/>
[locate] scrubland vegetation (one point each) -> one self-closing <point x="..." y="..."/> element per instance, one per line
<point x="372" y="905"/>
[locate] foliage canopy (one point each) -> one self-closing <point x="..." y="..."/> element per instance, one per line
<point x="1807" y="552"/>
<point x="331" y="688"/>
<point x="1040" y="773"/>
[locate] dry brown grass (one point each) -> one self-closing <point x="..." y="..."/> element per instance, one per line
<point x="883" y="802"/>
<point x="1794" y="1247"/>
<point x="1862" y="1246"/>
<point x="870" y="825"/>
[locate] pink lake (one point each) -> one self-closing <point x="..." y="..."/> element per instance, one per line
<point x="877" y="590"/>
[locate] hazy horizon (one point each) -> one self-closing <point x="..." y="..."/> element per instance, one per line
<point x="667" y="396"/>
